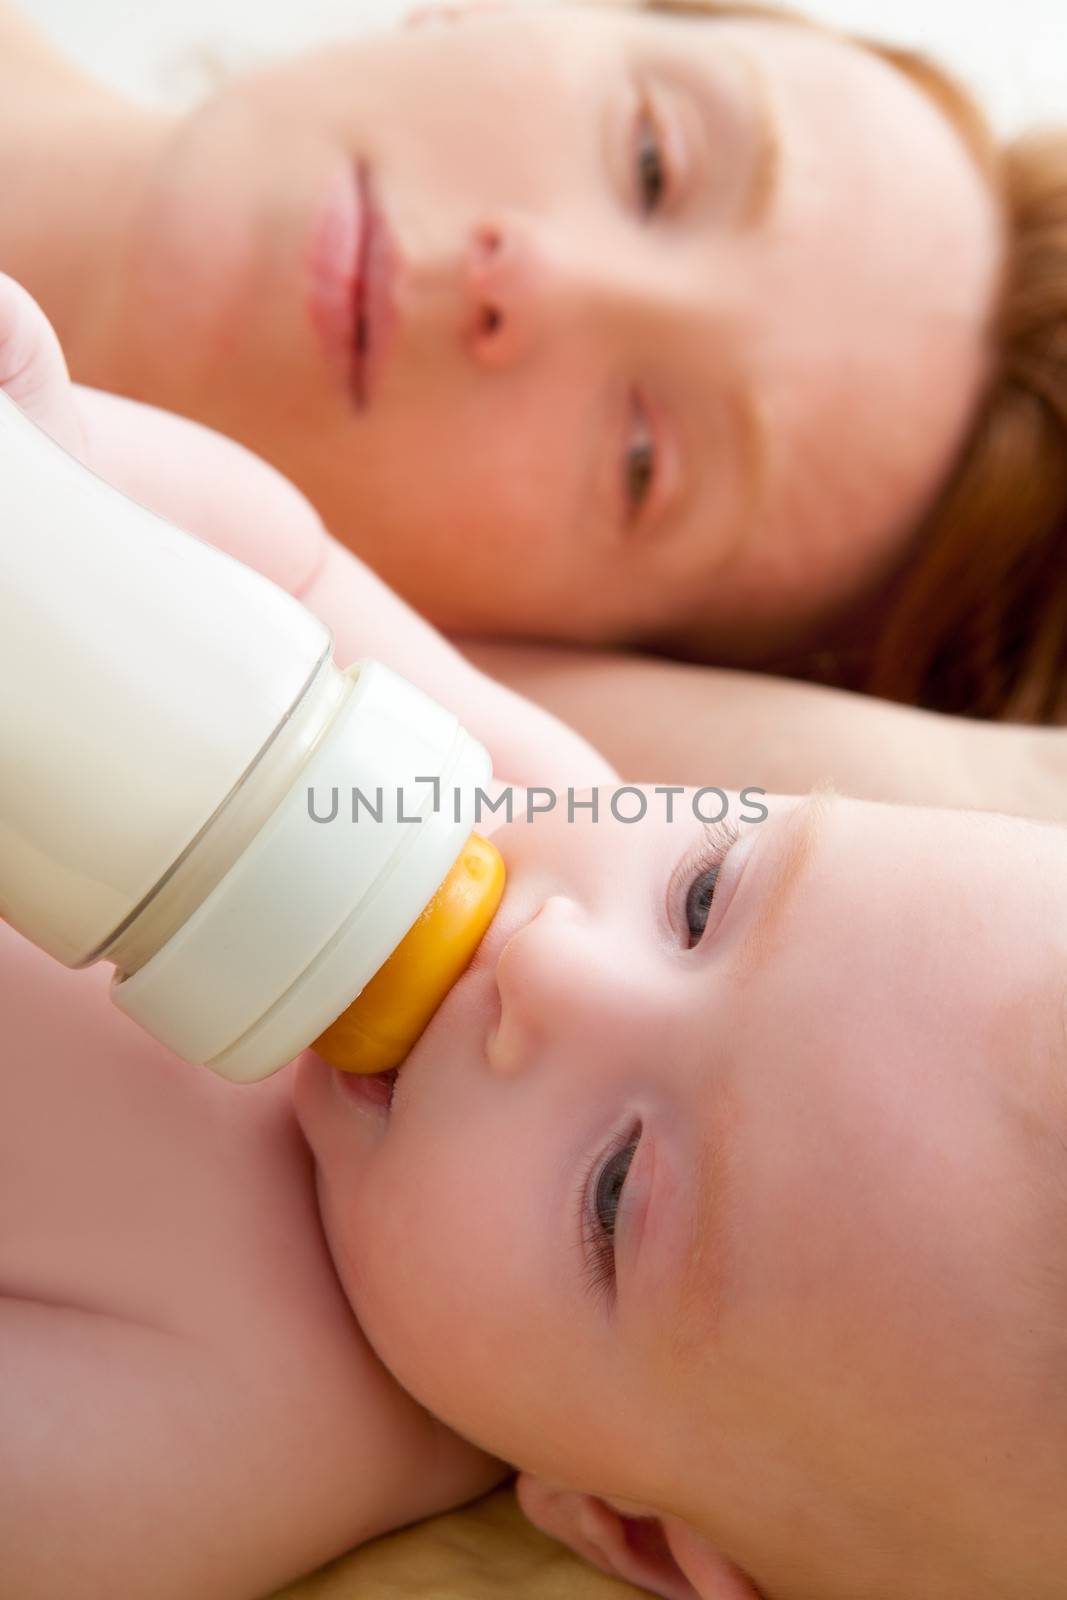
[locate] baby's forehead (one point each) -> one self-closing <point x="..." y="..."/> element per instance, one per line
<point x="711" y="800"/>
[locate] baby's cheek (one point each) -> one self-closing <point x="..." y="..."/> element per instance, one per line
<point x="442" y="1320"/>
<point x="337" y="1228"/>
<point x="383" y="1277"/>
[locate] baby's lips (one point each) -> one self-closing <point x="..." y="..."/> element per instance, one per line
<point x="378" y="1029"/>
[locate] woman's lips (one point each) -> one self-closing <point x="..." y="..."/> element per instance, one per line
<point x="352" y="265"/>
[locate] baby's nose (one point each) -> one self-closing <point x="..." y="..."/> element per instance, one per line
<point x="527" y="979"/>
<point x="549" y="982"/>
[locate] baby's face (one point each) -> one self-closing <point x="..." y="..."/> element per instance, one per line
<point x="726" y="1218"/>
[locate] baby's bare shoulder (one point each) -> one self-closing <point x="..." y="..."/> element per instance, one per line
<point x="136" y="1461"/>
<point x="189" y="1405"/>
<point x="100" y="1421"/>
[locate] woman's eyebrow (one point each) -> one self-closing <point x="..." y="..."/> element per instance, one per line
<point x="749" y="422"/>
<point x="748" y="416"/>
<point x="767" y="165"/>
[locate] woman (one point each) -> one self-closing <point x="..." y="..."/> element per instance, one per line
<point x="630" y="363"/>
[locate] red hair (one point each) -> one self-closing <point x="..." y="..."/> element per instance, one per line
<point x="974" y="620"/>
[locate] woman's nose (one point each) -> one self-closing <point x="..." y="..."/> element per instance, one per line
<point x="505" y="283"/>
<point x="523" y="283"/>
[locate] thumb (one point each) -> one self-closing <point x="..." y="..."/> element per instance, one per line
<point x="33" y="372"/>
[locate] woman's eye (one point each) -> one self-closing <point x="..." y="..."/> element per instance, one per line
<point x="640" y="467"/>
<point x="651" y="166"/>
<point x="698" y="902"/>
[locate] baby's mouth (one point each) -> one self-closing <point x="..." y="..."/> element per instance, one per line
<point x="373" y="1089"/>
<point x="383" y="1085"/>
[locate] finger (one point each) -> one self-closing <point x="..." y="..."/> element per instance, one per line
<point x="32" y="369"/>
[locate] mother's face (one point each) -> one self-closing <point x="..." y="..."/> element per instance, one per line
<point x="690" y="316"/>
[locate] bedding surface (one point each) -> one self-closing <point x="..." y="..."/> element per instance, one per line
<point x="485" y="1551"/>
<point x="169" y="51"/>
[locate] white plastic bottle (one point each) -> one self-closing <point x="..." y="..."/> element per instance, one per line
<point x="172" y="724"/>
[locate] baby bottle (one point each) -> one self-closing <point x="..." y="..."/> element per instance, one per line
<point x="193" y="790"/>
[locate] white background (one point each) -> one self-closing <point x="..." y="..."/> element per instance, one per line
<point x="1014" y="55"/>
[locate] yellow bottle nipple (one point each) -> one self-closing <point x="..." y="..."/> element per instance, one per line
<point x="378" y="1029"/>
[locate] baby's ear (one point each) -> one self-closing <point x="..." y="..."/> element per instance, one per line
<point x="661" y="1554"/>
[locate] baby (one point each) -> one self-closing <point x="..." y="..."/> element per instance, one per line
<point x="727" y="1190"/>
<point x="723" y="1198"/>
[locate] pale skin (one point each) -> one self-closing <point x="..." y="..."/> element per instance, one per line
<point x="232" y="1340"/>
<point x="163" y="1339"/>
<point x="868" y="1395"/>
<point x="671" y="347"/>
<point x="169" y="1332"/>
<point x="296" y="1429"/>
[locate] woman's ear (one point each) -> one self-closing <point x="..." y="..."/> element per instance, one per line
<point x="661" y="1554"/>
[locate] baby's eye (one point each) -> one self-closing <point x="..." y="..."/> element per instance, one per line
<point x="651" y="165"/>
<point x="598" y="1207"/>
<point x="695" y="879"/>
<point x="698" y="901"/>
<point x="610" y="1185"/>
